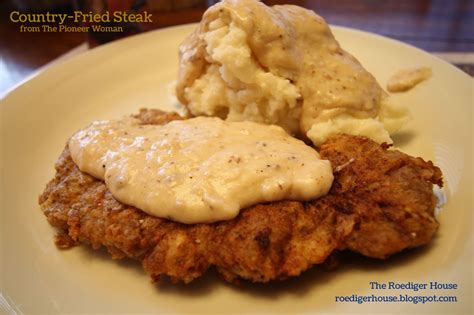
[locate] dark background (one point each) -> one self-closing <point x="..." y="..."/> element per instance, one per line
<point x="433" y="25"/>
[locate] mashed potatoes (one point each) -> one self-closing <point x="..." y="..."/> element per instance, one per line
<point x="281" y="65"/>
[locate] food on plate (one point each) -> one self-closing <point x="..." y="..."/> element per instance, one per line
<point x="407" y="79"/>
<point x="281" y="65"/>
<point x="199" y="170"/>
<point x="380" y="203"/>
<point x="236" y="191"/>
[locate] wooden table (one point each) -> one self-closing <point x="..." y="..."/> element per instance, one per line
<point x="437" y="26"/>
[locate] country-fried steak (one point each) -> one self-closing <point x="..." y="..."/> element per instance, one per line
<point x="381" y="202"/>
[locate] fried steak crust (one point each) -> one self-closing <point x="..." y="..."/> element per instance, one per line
<point x="381" y="202"/>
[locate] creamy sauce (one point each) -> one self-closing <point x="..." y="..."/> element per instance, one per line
<point x="407" y="79"/>
<point x="201" y="169"/>
<point x="279" y="65"/>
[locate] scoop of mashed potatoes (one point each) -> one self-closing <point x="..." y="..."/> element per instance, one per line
<point x="281" y="65"/>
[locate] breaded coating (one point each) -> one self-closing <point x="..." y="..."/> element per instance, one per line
<point x="390" y="192"/>
<point x="381" y="202"/>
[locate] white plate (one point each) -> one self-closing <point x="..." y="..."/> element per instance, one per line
<point x="118" y="79"/>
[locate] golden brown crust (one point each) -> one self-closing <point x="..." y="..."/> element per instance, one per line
<point x="381" y="203"/>
<point x="391" y="193"/>
<point x="156" y="116"/>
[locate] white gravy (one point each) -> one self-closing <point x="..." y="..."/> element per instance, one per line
<point x="407" y="79"/>
<point x="199" y="170"/>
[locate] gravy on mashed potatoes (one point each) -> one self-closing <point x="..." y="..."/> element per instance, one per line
<point x="281" y="65"/>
